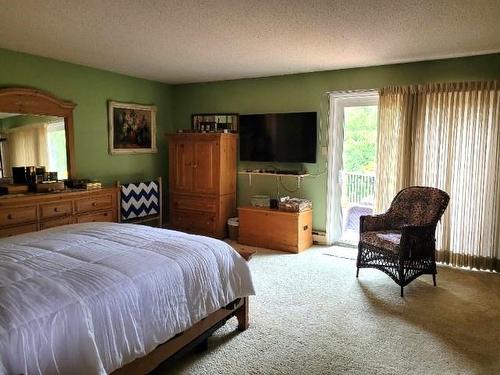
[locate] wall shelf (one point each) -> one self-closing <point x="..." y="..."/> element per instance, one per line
<point x="299" y="177"/>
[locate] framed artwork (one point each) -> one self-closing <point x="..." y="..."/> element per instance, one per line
<point x="132" y="128"/>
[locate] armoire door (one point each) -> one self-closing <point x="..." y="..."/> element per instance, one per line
<point x="182" y="165"/>
<point x="206" y="167"/>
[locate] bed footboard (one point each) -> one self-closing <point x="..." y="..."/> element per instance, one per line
<point x="188" y="339"/>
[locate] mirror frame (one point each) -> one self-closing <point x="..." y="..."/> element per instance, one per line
<point x="36" y="102"/>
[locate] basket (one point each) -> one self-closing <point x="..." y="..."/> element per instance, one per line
<point x="233" y="225"/>
<point x="294" y="204"/>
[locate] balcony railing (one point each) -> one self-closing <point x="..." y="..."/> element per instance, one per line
<point x="358" y="188"/>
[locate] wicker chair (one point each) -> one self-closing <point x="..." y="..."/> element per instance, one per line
<point x="401" y="242"/>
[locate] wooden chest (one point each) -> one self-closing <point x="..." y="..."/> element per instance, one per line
<point x="273" y="229"/>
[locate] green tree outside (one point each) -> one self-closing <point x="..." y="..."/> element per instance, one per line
<point x="360" y="139"/>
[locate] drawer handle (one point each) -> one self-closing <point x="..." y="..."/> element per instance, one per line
<point x="105" y="214"/>
<point x="56" y="209"/>
<point x="306" y="227"/>
<point x="94" y="204"/>
<point x="10" y="217"/>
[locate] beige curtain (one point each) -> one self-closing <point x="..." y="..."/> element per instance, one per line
<point x="452" y="142"/>
<point x="396" y="114"/>
<point x="27" y="146"/>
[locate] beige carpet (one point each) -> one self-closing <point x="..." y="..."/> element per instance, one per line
<point x="312" y="316"/>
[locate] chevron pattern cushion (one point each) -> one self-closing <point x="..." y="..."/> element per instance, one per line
<point x="139" y="200"/>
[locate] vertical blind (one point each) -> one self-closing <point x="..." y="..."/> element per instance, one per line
<point x="447" y="136"/>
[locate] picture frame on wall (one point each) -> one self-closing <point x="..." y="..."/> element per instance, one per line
<point x="132" y="128"/>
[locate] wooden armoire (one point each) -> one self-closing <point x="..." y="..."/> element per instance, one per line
<point x="202" y="182"/>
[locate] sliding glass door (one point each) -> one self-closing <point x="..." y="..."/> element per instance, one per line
<point x="352" y="163"/>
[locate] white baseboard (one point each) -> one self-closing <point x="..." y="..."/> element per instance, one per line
<point x="319" y="237"/>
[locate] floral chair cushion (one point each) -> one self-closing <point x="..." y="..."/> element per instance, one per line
<point x="388" y="240"/>
<point x="417" y="206"/>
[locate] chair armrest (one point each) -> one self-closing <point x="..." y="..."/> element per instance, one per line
<point x="418" y="240"/>
<point x="368" y="223"/>
<point x="420" y="231"/>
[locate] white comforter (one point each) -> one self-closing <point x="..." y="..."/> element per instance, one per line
<point x="89" y="298"/>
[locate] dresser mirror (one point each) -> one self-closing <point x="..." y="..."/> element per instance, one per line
<point x="31" y="140"/>
<point x="36" y="130"/>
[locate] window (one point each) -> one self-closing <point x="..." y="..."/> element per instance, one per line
<point x="56" y="147"/>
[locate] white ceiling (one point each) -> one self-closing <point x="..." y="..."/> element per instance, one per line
<point x="195" y="41"/>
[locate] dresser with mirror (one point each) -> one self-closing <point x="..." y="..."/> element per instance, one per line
<point x="36" y="134"/>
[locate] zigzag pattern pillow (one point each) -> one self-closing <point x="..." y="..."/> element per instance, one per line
<point x="139" y="200"/>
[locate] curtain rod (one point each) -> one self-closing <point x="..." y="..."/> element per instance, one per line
<point x="358" y="91"/>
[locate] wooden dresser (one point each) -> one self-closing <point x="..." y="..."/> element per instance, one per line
<point x="202" y="182"/>
<point x="37" y="211"/>
<point x="273" y="229"/>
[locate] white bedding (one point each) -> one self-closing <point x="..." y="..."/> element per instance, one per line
<point x="89" y="298"/>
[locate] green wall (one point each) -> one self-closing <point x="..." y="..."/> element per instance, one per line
<point x="91" y="89"/>
<point x="308" y="92"/>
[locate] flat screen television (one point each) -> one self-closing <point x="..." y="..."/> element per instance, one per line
<point x="278" y="137"/>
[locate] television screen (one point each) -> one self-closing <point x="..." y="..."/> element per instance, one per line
<point x="278" y="137"/>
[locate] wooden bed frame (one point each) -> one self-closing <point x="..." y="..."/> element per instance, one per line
<point x="31" y="101"/>
<point x="194" y="337"/>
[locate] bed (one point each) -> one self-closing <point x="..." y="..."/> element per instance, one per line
<point x="98" y="297"/>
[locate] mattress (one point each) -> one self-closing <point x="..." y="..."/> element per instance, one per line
<point x="90" y="298"/>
